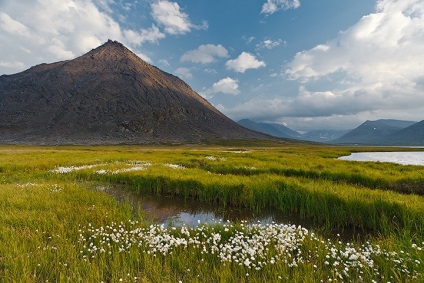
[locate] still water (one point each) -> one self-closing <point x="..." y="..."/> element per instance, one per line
<point x="404" y="158"/>
<point x="177" y="211"/>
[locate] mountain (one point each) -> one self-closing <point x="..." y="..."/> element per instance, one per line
<point x="374" y="132"/>
<point x="323" y="136"/>
<point x="107" y="96"/>
<point x="397" y="123"/>
<point x="278" y="130"/>
<point x="273" y="129"/>
<point x="412" y="135"/>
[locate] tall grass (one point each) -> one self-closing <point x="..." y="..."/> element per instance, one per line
<point x="336" y="207"/>
<point x="48" y="219"/>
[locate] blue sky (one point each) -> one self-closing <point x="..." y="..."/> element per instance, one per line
<point x="307" y="64"/>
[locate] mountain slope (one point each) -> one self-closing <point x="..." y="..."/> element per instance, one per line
<point x="373" y="132"/>
<point x="272" y="129"/>
<point x="108" y="95"/>
<point x="412" y="135"/>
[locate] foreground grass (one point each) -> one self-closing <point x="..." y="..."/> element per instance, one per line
<point x="53" y="228"/>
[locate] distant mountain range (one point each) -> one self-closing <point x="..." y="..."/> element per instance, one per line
<point x="323" y="136"/>
<point x="385" y="132"/>
<point x="273" y="129"/>
<point x="281" y="131"/>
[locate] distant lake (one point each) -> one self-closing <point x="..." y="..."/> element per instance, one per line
<point x="404" y="158"/>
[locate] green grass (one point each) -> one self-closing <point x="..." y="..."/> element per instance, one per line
<point x="45" y="215"/>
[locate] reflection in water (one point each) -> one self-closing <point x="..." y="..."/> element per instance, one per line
<point x="176" y="211"/>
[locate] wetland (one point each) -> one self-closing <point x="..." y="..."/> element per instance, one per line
<point x="159" y="214"/>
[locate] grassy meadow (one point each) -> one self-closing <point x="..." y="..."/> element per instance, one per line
<point x="54" y="227"/>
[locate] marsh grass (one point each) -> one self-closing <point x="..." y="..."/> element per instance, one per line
<point x="340" y="206"/>
<point x="45" y="215"/>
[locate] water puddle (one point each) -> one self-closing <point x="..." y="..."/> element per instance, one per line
<point x="176" y="211"/>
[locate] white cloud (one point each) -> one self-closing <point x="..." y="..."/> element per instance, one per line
<point x="169" y="15"/>
<point x="244" y="62"/>
<point x="375" y="66"/>
<point x="293" y="113"/>
<point x="13" y="26"/>
<point x="328" y="109"/>
<point x="58" y="49"/>
<point x="248" y="40"/>
<point x="52" y="30"/>
<point x="164" y="62"/>
<point x="325" y="110"/>
<point x="144" y="57"/>
<point x="225" y="86"/>
<point x="210" y="71"/>
<point x="12" y="64"/>
<point x="385" y="46"/>
<point x="269" y="44"/>
<point x="185" y="73"/>
<point x="205" y="53"/>
<point x="152" y="34"/>
<point x="272" y="6"/>
<point x="255" y="108"/>
<point x="105" y="5"/>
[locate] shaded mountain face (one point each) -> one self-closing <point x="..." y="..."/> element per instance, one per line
<point x="272" y="129"/>
<point x="108" y="95"/>
<point x="412" y="135"/>
<point x="380" y="132"/>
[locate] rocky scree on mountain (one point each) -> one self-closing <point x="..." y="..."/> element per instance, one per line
<point x="107" y="96"/>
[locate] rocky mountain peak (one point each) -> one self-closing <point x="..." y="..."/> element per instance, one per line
<point x="112" y="51"/>
<point x="108" y="95"/>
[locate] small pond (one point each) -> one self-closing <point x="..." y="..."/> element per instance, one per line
<point x="404" y="158"/>
<point x="177" y="211"/>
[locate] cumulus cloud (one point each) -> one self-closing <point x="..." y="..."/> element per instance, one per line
<point x="58" y="49"/>
<point x="243" y="62"/>
<point x="53" y="30"/>
<point x="152" y="34"/>
<point x="372" y="70"/>
<point x="205" y="54"/>
<point x="306" y="104"/>
<point x="169" y="15"/>
<point x="329" y="109"/>
<point x="13" y="26"/>
<point x="294" y="113"/>
<point x="274" y="110"/>
<point x="383" y="46"/>
<point x="184" y="73"/>
<point x="225" y="86"/>
<point x="272" y="6"/>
